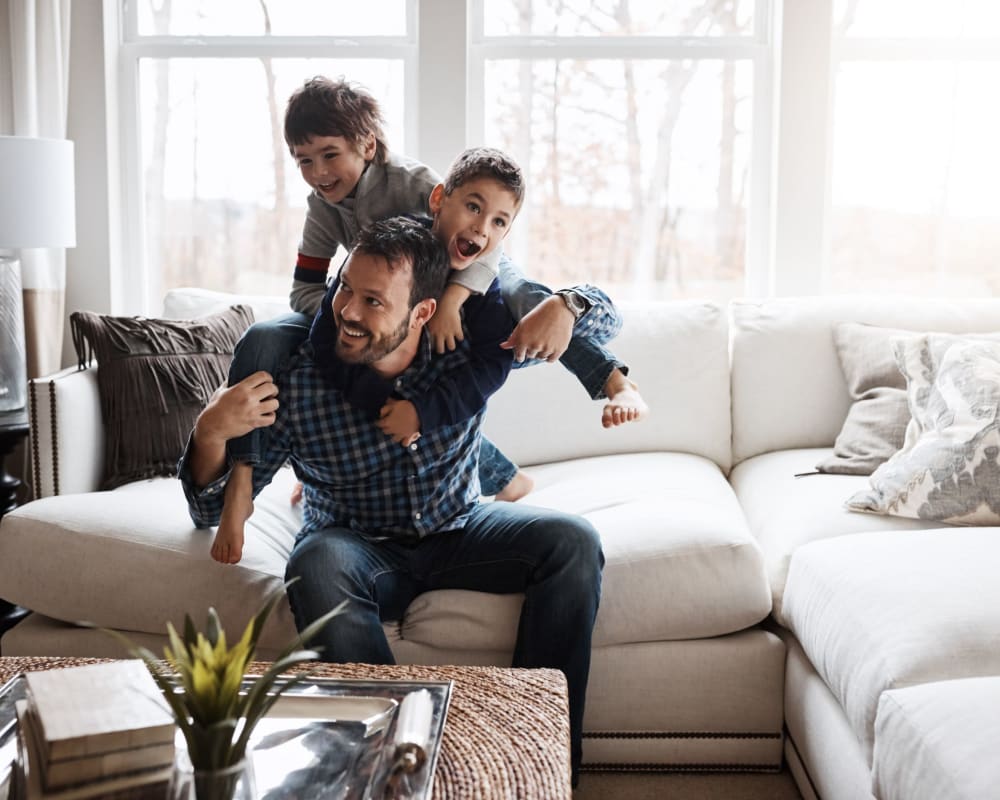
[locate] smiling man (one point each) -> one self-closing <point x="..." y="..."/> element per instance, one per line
<point x="384" y="523"/>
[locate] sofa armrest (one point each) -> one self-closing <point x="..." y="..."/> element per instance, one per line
<point x="67" y="435"/>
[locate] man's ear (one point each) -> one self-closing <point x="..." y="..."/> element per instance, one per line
<point x="436" y="199"/>
<point x="422" y="312"/>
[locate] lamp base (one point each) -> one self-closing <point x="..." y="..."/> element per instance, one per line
<point x="13" y="368"/>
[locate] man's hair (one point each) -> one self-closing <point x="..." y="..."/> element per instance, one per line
<point x="486" y="162"/>
<point x="324" y="107"/>
<point x="402" y="240"/>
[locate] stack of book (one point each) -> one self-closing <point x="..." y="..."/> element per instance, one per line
<point x="94" y="731"/>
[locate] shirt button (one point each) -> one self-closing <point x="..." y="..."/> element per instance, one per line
<point x="417" y="515"/>
<point x="412" y="477"/>
<point x="399" y="383"/>
<point x="413" y="446"/>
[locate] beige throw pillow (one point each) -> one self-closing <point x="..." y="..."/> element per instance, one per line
<point x="947" y="469"/>
<point x="876" y="421"/>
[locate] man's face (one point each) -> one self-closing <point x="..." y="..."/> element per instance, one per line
<point x="473" y="220"/>
<point x="371" y="309"/>
<point x="332" y="165"/>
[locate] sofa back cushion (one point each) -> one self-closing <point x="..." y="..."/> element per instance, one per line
<point x="788" y="389"/>
<point x="677" y="353"/>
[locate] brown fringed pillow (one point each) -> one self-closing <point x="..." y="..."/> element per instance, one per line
<point x="155" y="376"/>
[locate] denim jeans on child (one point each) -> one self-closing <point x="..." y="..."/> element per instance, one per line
<point x="555" y="559"/>
<point x="585" y="357"/>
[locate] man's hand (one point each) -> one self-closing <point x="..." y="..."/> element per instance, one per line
<point x="236" y="410"/>
<point x="399" y="420"/>
<point x="231" y="412"/>
<point x="445" y="326"/>
<point x="544" y="332"/>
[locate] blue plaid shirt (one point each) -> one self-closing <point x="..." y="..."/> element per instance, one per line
<point x="353" y="475"/>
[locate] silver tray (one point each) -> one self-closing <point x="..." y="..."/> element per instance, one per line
<point x="325" y="739"/>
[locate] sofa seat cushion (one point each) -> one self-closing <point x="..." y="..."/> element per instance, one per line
<point x="885" y="610"/>
<point x="131" y="559"/>
<point x="680" y="561"/>
<point x="785" y="512"/>
<point x="938" y="741"/>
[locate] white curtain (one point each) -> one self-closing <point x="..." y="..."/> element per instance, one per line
<point x="34" y="89"/>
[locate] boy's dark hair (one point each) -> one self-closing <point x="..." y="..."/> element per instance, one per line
<point x="324" y="107"/>
<point x="402" y="239"/>
<point x="486" y="162"/>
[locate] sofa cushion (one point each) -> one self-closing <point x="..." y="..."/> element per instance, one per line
<point x="680" y="561"/>
<point x="155" y="377"/>
<point x="677" y="352"/>
<point x="131" y="559"/>
<point x="886" y="610"/>
<point x="787" y="386"/>
<point x="947" y="469"/>
<point x="788" y="504"/>
<point x="938" y="741"/>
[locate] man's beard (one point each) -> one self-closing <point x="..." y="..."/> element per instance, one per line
<point x="373" y="350"/>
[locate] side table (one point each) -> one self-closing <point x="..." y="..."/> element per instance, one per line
<point x="13" y="428"/>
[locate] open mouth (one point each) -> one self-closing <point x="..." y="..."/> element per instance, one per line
<point x="467" y="248"/>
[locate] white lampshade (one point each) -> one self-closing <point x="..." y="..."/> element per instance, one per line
<point x="37" y="193"/>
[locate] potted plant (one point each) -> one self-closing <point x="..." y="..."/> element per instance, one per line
<point x="202" y="682"/>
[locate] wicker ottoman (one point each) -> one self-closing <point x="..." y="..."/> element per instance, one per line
<point x="507" y="733"/>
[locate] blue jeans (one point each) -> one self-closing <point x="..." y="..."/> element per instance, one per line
<point x="268" y="346"/>
<point x="585" y="357"/>
<point x="555" y="559"/>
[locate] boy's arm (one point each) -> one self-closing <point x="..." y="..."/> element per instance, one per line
<point x="324" y="231"/>
<point x="476" y="277"/>
<point x="307" y="296"/>
<point x="463" y="391"/>
<point x="445" y="327"/>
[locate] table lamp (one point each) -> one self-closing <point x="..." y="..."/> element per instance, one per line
<point x="37" y="209"/>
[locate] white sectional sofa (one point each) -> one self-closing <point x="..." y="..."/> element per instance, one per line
<point x="746" y="614"/>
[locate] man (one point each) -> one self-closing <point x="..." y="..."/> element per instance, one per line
<point x="384" y="523"/>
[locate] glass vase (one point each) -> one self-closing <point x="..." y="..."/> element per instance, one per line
<point x="229" y="783"/>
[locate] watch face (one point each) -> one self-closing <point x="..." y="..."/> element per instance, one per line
<point x="573" y="303"/>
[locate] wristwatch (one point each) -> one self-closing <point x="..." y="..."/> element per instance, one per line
<point x="575" y="302"/>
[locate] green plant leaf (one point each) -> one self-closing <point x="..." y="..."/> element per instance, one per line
<point x="212" y="627"/>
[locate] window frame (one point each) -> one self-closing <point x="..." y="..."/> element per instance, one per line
<point x="794" y="51"/>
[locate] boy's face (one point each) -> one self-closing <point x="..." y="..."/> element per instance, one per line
<point x="473" y="220"/>
<point x="332" y="165"/>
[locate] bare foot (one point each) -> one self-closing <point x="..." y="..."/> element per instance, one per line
<point x="227" y="548"/>
<point x="625" y="404"/>
<point x="519" y="486"/>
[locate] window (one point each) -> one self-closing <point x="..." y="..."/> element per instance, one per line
<point x="914" y="169"/>
<point x="694" y="149"/>
<point x="635" y="123"/>
<point x="222" y="202"/>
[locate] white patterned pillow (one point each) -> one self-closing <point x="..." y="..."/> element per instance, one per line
<point x="947" y="469"/>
